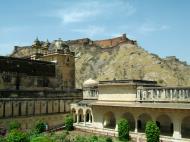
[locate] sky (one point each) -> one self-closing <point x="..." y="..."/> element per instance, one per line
<point x="159" y="26"/>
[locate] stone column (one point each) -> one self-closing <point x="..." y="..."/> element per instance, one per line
<point x="171" y="94"/>
<point x="116" y="127"/>
<point x="157" y="94"/>
<point x="90" y="117"/>
<point x="177" y="128"/>
<point x="136" y="125"/>
<point x="84" y="119"/>
<point x="77" y="118"/>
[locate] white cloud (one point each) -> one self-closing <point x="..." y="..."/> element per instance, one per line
<point x="90" y="31"/>
<point x="84" y="11"/>
<point x="77" y="12"/>
<point x="75" y="15"/>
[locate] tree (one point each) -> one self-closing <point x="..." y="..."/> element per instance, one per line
<point x="17" y="136"/>
<point x="123" y="130"/>
<point x="40" y="126"/>
<point x="152" y="132"/>
<point x="14" y="125"/>
<point x="68" y="121"/>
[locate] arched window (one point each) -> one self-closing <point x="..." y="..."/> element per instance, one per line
<point x="185" y="127"/>
<point x="109" y="120"/>
<point x="131" y="120"/>
<point x="142" y="120"/>
<point x="165" y="124"/>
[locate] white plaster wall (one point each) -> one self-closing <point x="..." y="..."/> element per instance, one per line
<point x="117" y="93"/>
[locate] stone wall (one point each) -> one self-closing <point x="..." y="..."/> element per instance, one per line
<point x="16" y="73"/>
<point x="27" y="110"/>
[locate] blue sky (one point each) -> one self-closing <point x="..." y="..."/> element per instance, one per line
<point x="159" y="26"/>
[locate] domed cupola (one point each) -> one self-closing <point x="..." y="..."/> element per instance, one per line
<point x="90" y="89"/>
<point x="58" y="45"/>
<point x="90" y="83"/>
<point x="46" y="44"/>
<point x="36" y="42"/>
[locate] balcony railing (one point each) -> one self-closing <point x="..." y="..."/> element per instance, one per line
<point x="163" y="94"/>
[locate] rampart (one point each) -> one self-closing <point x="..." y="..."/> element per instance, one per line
<point x="112" y="42"/>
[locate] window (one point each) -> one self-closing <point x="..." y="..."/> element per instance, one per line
<point x="6" y="77"/>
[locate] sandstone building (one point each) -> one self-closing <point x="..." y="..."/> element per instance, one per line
<point x="106" y="102"/>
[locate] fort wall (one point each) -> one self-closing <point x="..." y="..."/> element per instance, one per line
<point x="112" y="42"/>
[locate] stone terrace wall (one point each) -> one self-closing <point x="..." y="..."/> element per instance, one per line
<point x="49" y="106"/>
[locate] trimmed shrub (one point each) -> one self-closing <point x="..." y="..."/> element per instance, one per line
<point x="17" y="136"/>
<point x="14" y="125"/>
<point x="68" y="121"/>
<point x="123" y="130"/>
<point x="152" y="132"/>
<point x="40" y="127"/>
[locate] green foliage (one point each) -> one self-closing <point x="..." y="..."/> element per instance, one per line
<point x="109" y="139"/>
<point x="68" y="121"/>
<point x="94" y="139"/>
<point x="40" y="126"/>
<point x="81" y="139"/>
<point x="2" y="139"/>
<point x="152" y="132"/>
<point x="14" y="125"/>
<point x="123" y="130"/>
<point x="62" y="137"/>
<point x="17" y="136"/>
<point x="41" y="139"/>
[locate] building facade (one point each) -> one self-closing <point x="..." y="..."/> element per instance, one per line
<point x="137" y="101"/>
<point x="38" y="86"/>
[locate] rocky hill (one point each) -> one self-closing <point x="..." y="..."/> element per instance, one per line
<point x="121" y="58"/>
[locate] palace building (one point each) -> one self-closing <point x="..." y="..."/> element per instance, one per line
<point x="40" y="85"/>
<point x="106" y="102"/>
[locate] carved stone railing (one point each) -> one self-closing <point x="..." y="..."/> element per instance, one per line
<point x="163" y="94"/>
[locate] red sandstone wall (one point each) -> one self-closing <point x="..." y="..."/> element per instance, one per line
<point x="111" y="42"/>
<point x="104" y="43"/>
